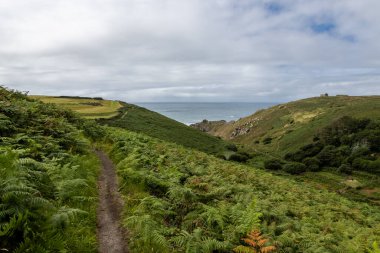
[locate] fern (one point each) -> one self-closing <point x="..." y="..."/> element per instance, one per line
<point x="71" y="187"/>
<point x="64" y="216"/>
<point x="257" y="244"/>
<point x="16" y="222"/>
<point x="157" y="207"/>
<point x="249" y="220"/>
<point x="195" y="242"/>
<point x="244" y="249"/>
<point x="375" y="248"/>
<point x="148" y="234"/>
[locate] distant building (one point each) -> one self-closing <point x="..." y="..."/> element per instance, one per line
<point x="325" y="95"/>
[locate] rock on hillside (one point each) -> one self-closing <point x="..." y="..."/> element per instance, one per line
<point x="208" y="126"/>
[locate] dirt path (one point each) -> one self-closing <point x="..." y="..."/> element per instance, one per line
<point x="110" y="234"/>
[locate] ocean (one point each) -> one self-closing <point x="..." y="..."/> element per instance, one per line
<point x="189" y="113"/>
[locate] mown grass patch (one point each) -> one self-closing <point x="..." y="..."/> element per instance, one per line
<point x="86" y="107"/>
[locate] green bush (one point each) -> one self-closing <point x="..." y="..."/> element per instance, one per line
<point x="295" y="157"/>
<point x="294" y="168"/>
<point x="273" y="164"/>
<point x="345" y="168"/>
<point x="312" y="163"/>
<point x="312" y="149"/>
<point x="231" y="147"/>
<point x="327" y="156"/>
<point x="367" y="165"/>
<point x="346" y="141"/>
<point x="239" y="157"/>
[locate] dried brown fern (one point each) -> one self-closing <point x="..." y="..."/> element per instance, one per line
<point x="256" y="242"/>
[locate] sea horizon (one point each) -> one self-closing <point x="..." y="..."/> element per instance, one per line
<point x="194" y="112"/>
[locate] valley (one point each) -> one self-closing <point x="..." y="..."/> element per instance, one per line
<point x="171" y="197"/>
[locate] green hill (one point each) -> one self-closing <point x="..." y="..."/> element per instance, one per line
<point x="287" y="127"/>
<point x="332" y="142"/>
<point x="141" y="120"/>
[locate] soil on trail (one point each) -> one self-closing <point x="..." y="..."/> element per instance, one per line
<point x="111" y="236"/>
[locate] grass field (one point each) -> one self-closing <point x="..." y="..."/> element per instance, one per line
<point x="86" y="107"/>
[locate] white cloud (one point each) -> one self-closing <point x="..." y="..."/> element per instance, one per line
<point x="217" y="50"/>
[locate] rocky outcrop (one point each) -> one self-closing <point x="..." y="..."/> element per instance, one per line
<point x="244" y="128"/>
<point x="208" y="126"/>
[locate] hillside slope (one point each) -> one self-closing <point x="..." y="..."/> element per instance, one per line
<point x="48" y="178"/>
<point x="141" y="120"/>
<point x="183" y="200"/>
<point x="138" y="119"/>
<point x="285" y="128"/>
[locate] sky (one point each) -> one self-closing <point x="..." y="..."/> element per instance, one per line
<point x="191" y="50"/>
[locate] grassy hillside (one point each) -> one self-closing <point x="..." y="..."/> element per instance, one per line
<point x="138" y="119"/>
<point x="182" y="200"/>
<point x="89" y="108"/>
<point x="48" y="176"/>
<point x="338" y="155"/>
<point x="177" y="199"/>
<point x="287" y="127"/>
<point x="141" y="120"/>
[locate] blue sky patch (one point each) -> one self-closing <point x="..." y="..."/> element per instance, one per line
<point x="330" y="28"/>
<point x="349" y="38"/>
<point x="273" y="8"/>
<point x="324" y="27"/>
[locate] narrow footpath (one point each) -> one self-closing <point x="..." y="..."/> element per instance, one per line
<point x="111" y="236"/>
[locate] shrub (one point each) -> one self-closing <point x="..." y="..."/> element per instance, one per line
<point x="239" y="157"/>
<point x="366" y="165"/>
<point x="294" y="168"/>
<point x="361" y="164"/>
<point x="273" y="164"/>
<point x="312" y="149"/>
<point x="327" y="156"/>
<point x="231" y="147"/>
<point x="295" y="157"/>
<point x="93" y="130"/>
<point x="312" y="163"/>
<point x="221" y="156"/>
<point x="358" y="152"/>
<point x="375" y="166"/>
<point x="345" y="168"/>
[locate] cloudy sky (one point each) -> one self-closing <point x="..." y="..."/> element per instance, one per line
<point x="191" y="50"/>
